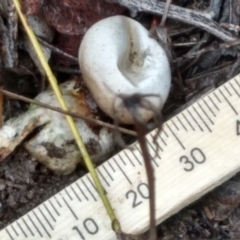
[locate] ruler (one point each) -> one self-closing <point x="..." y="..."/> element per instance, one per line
<point x="198" y="150"/>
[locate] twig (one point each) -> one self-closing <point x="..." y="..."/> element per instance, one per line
<point x="66" y="70"/>
<point x="165" y="14"/>
<point x="187" y="44"/>
<point x="176" y="32"/>
<point x="208" y="49"/>
<point x="202" y="20"/>
<point x="94" y="121"/>
<point x="57" y="50"/>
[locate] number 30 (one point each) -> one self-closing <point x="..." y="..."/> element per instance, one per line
<point x="197" y="157"/>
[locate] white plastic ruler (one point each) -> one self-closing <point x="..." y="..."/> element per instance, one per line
<point x="199" y="149"/>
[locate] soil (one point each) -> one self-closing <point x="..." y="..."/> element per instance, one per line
<point x="24" y="183"/>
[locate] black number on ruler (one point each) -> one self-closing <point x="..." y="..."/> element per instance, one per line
<point x="142" y="190"/>
<point x="197" y="157"/>
<point x="89" y="225"/>
<point x="238" y="127"/>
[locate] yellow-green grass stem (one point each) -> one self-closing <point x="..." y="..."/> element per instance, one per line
<point x="72" y="125"/>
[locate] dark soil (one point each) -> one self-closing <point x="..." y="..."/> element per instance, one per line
<point x="24" y="183"/>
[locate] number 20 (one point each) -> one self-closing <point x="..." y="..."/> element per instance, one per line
<point x="140" y="191"/>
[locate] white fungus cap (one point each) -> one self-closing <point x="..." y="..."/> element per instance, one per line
<point x="117" y="57"/>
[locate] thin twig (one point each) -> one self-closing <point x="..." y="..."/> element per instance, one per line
<point x="179" y="31"/>
<point x="199" y="19"/>
<point x="94" y="121"/>
<point x="57" y="50"/>
<point x="207" y="49"/>
<point x="66" y="70"/>
<point x="165" y="14"/>
<point x="187" y="44"/>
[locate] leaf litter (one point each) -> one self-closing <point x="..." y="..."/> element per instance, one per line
<point x="214" y="45"/>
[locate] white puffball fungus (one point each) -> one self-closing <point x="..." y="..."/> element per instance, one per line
<point x="117" y="57"/>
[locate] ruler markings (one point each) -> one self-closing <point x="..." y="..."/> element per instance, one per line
<point x="85" y="196"/>
<point x="182" y="123"/>
<point x="110" y="165"/>
<point x="175" y="136"/>
<point x="30" y="230"/>
<point x="59" y="204"/>
<point x="70" y="209"/>
<point x="8" y="233"/>
<point x="54" y="206"/>
<point x="154" y="146"/>
<point x="90" y="192"/>
<point x="226" y="88"/>
<point x="129" y="159"/>
<point x="165" y="133"/>
<point x="214" y="104"/>
<point x="139" y="151"/>
<point x="75" y="193"/>
<point x="124" y="163"/>
<point x="159" y="146"/>
<point x="49" y="212"/>
<point x="235" y="80"/>
<point x="234" y="89"/>
<point x="124" y="174"/>
<point x="110" y="176"/>
<point x="35" y="226"/>
<point x="91" y="182"/>
<point x="153" y="137"/>
<point x="216" y="96"/>
<point x="174" y="124"/>
<point x="205" y="113"/>
<point x="20" y="227"/>
<point x="189" y="123"/>
<point x="15" y="231"/>
<point x="162" y="140"/>
<point x="231" y="106"/>
<point x="104" y="179"/>
<point x="43" y="226"/>
<point x="40" y="210"/>
<point x="134" y="155"/>
<point x="68" y="194"/>
<point x="195" y="120"/>
<point x="200" y="117"/>
<point x="210" y="109"/>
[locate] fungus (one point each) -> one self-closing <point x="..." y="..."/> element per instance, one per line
<point x="125" y="69"/>
<point x="53" y="145"/>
